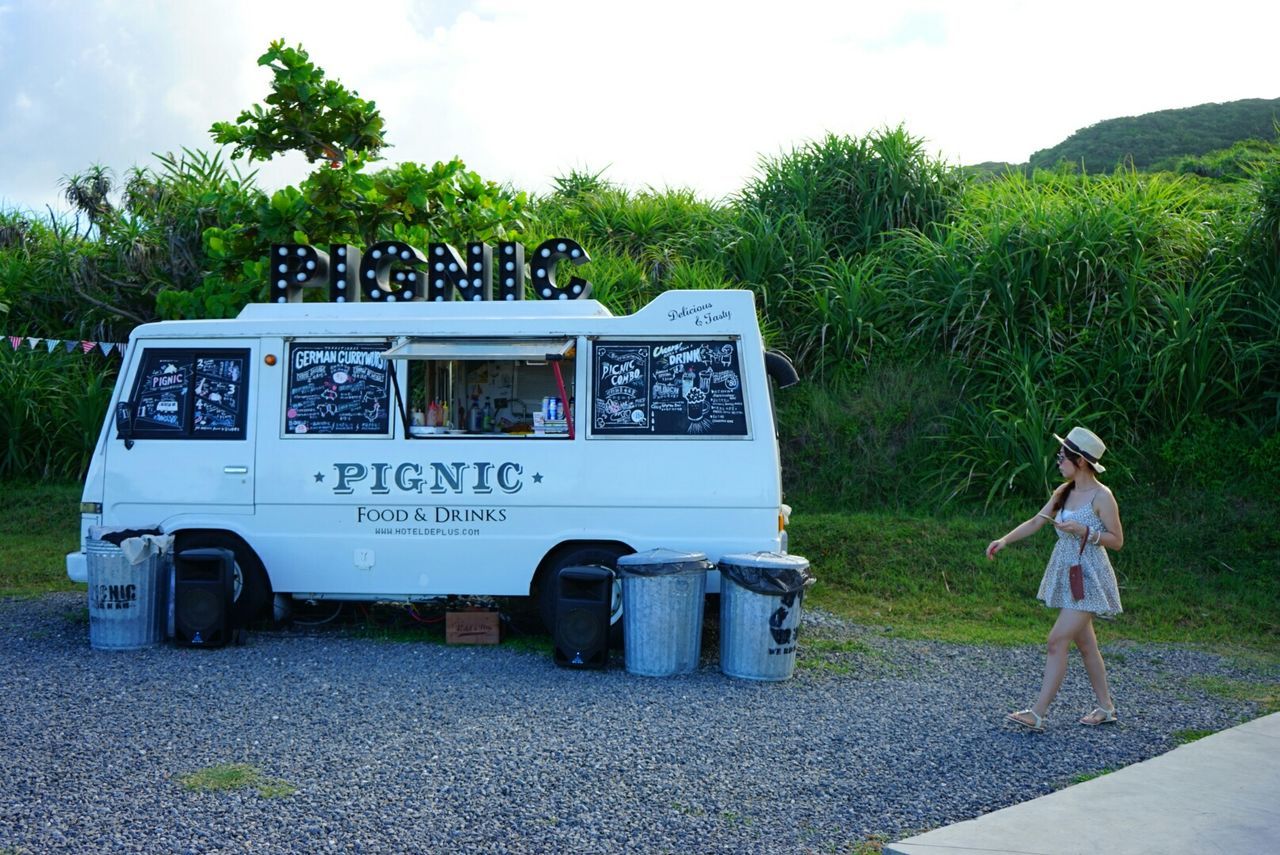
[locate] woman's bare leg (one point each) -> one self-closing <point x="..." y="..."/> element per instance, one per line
<point x="1065" y="629"/>
<point x="1087" y="641"/>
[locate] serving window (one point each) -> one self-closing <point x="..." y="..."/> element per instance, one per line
<point x="487" y="388"/>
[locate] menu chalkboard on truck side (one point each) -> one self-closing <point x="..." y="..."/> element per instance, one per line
<point x="667" y="388"/>
<point x="219" y="410"/>
<point x="196" y="393"/>
<point x="338" y="388"/>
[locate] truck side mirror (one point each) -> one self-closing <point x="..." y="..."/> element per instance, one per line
<point x="779" y="367"/>
<point x="124" y="422"/>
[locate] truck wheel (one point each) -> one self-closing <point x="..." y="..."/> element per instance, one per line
<point x="251" y="591"/>
<point x="605" y="556"/>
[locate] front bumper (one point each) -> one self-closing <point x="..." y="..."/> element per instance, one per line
<point x="77" y="567"/>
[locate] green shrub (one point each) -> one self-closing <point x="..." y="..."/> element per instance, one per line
<point x="863" y="443"/>
<point x="855" y="191"/>
<point x="1212" y="453"/>
<point x="51" y="409"/>
<point x="1115" y="302"/>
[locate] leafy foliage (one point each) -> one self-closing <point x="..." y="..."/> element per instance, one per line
<point x="854" y="192"/>
<point x="138" y="243"/>
<point x="1111" y="302"/>
<point x="1241" y="162"/>
<point x="339" y="204"/>
<point x="408" y="202"/>
<point x="51" y="409"/>
<point x="946" y="325"/>
<point x="305" y="113"/>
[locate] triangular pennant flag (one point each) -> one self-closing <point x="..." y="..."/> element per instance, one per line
<point x="16" y="341"/>
<point x="106" y="347"/>
<point x="70" y="345"/>
<point x="51" y="344"/>
<point x="31" y="340"/>
<point x="87" y="346"/>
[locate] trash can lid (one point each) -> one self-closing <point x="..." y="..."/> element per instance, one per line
<point x="137" y="544"/>
<point x="767" y="572"/>
<point x="663" y="562"/>
<point x="116" y="535"/>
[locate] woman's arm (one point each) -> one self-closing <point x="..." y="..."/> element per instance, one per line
<point x="1109" y="513"/>
<point x="1026" y="528"/>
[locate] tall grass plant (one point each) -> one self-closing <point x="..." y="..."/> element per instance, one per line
<point x="51" y="409"/>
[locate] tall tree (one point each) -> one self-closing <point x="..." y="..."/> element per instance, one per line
<point x="305" y="112"/>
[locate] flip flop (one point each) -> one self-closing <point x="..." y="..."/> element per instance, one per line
<point x="1036" y="724"/>
<point x="1100" y="715"/>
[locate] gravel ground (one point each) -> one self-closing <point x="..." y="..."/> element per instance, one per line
<point x="413" y="747"/>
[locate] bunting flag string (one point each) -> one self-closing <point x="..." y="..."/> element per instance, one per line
<point x="107" y="348"/>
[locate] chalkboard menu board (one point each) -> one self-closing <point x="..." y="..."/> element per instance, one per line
<point x="191" y="393"/>
<point x="338" y="388"/>
<point x="219" y="396"/>
<point x="667" y="388"/>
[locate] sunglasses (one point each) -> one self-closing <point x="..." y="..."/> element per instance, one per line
<point x="1063" y="454"/>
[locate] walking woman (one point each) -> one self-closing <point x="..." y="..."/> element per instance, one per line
<point x="1085" y="515"/>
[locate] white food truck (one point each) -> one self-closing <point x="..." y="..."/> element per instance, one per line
<point x="402" y="452"/>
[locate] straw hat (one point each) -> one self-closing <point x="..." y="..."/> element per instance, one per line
<point x="1086" y="444"/>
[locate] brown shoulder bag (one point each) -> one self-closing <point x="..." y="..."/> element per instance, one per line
<point x="1076" y="574"/>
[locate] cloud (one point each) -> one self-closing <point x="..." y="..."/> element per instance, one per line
<point x="663" y="93"/>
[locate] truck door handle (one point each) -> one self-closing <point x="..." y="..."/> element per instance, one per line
<point x="236" y="470"/>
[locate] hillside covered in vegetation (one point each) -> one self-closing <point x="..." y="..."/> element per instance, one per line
<point x="1147" y="140"/>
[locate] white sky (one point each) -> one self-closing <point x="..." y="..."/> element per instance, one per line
<point x="663" y="94"/>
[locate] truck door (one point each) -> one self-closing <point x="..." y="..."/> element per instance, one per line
<point x="190" y="445"/>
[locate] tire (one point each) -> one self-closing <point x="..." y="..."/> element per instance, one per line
<point x="603" y="555"/>
<point x="251" y="590"/>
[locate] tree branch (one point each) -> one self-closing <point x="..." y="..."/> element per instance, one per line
<point x="110" y="308"/>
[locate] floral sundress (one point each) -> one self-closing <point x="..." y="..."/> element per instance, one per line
<point x="1101" y="593"/>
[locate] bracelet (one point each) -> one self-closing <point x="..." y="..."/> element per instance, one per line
<point x="1097" y="537"/>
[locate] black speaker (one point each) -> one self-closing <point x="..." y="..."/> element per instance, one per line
<point x="583" y="597"/>
<point x="203" y="588"/>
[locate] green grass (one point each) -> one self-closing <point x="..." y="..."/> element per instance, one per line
<point x="39" y="526"/>
<point x="815" y="650"/>
<point x="1200" y="567"/>
<point x="1182" y="737"/>
<point x="1266" y="695"/>
<point x="1089" y="776"/>
<point x="235" y="776"/>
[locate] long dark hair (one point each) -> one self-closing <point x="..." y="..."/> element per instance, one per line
<point x="1061" y="501"/>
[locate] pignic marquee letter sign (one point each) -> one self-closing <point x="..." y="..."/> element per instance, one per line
<point x="394" y="272"/>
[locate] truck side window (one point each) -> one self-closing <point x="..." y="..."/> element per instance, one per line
<point x="667" y="388"/>
<point x="511" y="397"/>
<point x="338" y="388"/>
<point x="191" y="394"/>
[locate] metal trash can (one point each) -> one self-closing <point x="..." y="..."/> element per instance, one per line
<point x="128" y="572"/>
<point x="663" y="592"/>
<point x="760" y="603"/>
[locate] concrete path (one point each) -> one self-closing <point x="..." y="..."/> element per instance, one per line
<point x="1218" y="794"/>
